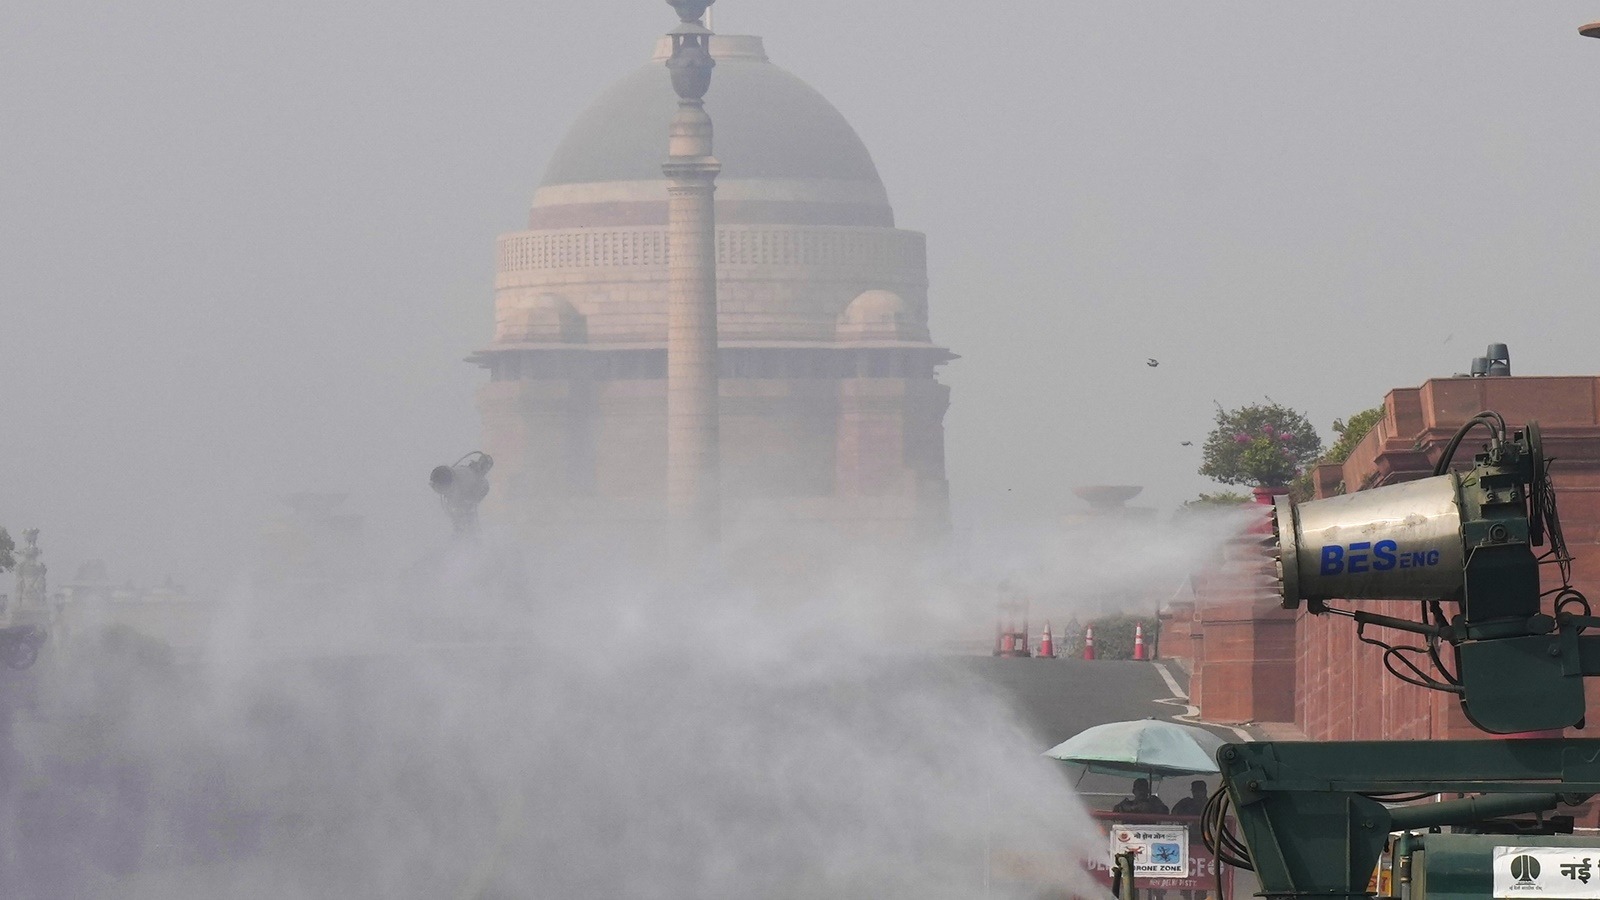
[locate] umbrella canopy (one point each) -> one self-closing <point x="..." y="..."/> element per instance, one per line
<point x="1143" y="747"/>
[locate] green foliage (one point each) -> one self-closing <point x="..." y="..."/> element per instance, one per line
<point x="8" y="551"/>
<point x="1261" y="445"/>
<point x="1113" y="635"/>
<point x="1219" y="498"/>
<point x="1350" y="434"/>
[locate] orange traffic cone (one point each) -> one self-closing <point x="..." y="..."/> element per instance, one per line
<point x="1047" y="647"/>
<point x="1138" y="641"/>
<point x="1088" y="642"/>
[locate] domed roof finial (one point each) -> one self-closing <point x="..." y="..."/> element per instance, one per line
<point x="691" y="61"/>
<point x="690" y="10"/>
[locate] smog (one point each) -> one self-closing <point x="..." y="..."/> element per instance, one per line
<point x="248" y="247"/>
<point x="492" y="729"/>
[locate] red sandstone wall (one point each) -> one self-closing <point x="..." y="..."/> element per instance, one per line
<point x="1244" y="648"/>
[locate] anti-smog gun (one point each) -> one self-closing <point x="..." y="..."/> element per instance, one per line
<point x="1465" y="549"/>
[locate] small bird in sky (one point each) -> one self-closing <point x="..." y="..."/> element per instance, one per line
<point x="1188" y="443"/>
<point x="1152" y="362"/>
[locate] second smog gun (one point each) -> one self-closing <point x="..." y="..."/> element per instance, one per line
<point x="1465" y="548"/>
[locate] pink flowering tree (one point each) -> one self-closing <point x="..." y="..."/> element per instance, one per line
<point x="1262" y="445"/>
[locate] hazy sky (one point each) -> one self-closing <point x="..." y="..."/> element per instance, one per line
<point x="246" y="246"/>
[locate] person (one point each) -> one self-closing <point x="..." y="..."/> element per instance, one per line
<point x="1192" y="805"/>
<point x="1142" y="800"/>
<point x="1195" y="803"/>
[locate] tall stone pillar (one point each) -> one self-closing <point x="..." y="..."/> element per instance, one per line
<point x="694" y="506"/>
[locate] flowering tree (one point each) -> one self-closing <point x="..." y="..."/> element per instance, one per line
<point x="1262" y="445"/>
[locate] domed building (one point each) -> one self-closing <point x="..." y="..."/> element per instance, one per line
<point x="830" y="410"/>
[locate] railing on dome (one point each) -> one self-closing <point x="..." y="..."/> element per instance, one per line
<point x="840" y="246"/>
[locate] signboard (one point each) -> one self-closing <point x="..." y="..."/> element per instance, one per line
<point x="1159" y="851"/>
<point x="1565" y="873"/>
<point x="1202" y="871"/>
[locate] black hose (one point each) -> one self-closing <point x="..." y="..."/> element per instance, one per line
<point x="1491" y="421"/>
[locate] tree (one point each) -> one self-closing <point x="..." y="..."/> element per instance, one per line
<point x="1350" y="434"/>
<point x="8" y="551"/>
<point x="1225" y="499"/>
<point x="1261" y="445"/>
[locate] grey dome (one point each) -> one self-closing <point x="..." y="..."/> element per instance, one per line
<point x="768" y="125"/>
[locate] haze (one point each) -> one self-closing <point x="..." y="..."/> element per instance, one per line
<point x="246" y="247"/>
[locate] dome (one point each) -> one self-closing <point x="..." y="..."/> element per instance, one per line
<point x="879" y="316"/>
<point x="547" y="319"/>
<point x="788" y="156"/>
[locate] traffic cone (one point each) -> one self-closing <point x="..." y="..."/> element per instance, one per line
<point x="1047" y="647"/>
<point x="1138" y="641"/>
<point x="1088" y="642"/>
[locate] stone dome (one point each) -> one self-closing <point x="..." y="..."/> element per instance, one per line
<point x="548" y="318"/>
<point x="788" y="156"/>
<point x="880" y="315"/>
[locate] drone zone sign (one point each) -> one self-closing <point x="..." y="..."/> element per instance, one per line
<point x="1159" y="851"/>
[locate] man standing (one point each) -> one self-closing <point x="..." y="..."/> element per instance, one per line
<point x="1192" y="805"/>
<point x="1142" y="800"/>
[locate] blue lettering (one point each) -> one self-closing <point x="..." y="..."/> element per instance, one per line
<point x="1338" y="559"/>
<point x="1358" y="561"/>
<point x="1383" y="555"/>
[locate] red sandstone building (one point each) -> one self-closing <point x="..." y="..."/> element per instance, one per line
<point x="831" y="411"/>
<point x="1255" y="662"/>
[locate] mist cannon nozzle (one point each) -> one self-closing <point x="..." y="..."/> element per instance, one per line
<point x="1400" y="542"/>
<point x="461" y="487"/>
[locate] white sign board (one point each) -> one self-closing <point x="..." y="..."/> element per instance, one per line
<point x="1565" y="873"/>
<point x="1159" y="851"/>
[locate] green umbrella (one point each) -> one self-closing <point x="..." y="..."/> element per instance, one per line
<point x="1144" y="747"/>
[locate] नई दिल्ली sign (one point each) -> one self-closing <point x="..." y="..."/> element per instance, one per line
<point x="1562" y="873"/>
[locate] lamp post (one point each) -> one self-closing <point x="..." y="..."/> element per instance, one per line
<point x="693" y="473"/>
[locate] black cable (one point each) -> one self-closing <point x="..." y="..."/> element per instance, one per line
<point x="1213" y="801"/>
<point x="1546" y="493"/>
<point x="1488" y="419"/>
<point x="1222" y="842"/>
<point x="1567" y="596"/>
<point x="1393" y="654"/>
<point x="1441" y="621"/>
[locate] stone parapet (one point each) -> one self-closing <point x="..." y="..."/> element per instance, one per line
<point x="525" y="257"/>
